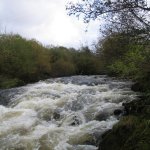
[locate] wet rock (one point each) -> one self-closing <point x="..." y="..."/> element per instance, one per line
<point x="118" y="112"/>
<point x="138" y="106"/>
<point x="45" y="114"/>
<point x="101" y="116"/>
<point x="106" y="133"/>
<point x="82" y="139"/>
<point x="8" y="94"/>
<point x="132" y="107"/>
<point x="56" y="114"/>
<point x="76" y="121"/>
<point x="3" y="100"/>
<point x="72" y="120"/>
<point x="137" y="87"/>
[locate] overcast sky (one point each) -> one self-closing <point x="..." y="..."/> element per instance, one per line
<point x="46" y="21"/>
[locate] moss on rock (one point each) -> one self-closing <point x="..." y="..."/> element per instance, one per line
<point x="132" y="132"/>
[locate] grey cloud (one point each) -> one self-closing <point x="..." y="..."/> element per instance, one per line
<point x="26" y="12"/>
<point x="46" y="21"/>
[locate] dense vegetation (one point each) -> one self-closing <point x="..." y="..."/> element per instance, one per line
<point x="24" y="61"/>
<point x="127" y="57"/>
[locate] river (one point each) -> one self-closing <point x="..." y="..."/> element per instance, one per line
<point x="68" y="113"/>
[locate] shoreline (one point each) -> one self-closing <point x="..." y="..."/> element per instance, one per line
<point x="132" y="132"/>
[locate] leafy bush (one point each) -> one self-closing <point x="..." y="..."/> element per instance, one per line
<point x="131" y="63"/>
<point x="28" y="61"/>
<point x="62" y="68"/>
<point x="21" y="58"/>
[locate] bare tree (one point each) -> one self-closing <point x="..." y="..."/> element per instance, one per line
<point x="111" y="10"/>
<point x="130" y="17"/>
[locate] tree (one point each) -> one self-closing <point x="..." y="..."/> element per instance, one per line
<point x="123" y="13"/>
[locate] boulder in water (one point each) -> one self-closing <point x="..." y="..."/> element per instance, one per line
<point x="118" y="112"/>
<point x="101" y="116"/>
<point x="82" y="139"/>
<point x="56" y="114"/>
<point x="76" y="121"/>
<point x="72" y="120"/>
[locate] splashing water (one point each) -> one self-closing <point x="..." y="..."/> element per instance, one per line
<point x="67" y="113"/>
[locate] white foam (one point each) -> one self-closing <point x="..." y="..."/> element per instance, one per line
<point x="59" y="116"/>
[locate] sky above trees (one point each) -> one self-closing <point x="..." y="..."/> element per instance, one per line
<point x="46" y="21"/>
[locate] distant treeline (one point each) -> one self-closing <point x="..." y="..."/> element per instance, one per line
<point x="24" y="61"/>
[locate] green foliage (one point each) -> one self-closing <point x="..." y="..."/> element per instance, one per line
<point x="114" y="46"/>
<point x="62" y="68"/>
<point x="130" y="64"/>
<point x="129" y="60"/>
<point x="6" y="82"/>
<point x="62" y="62"/>
<point x="129" y="134"/>
<point x="24" y="61"/>
<point x="110" y="49"/>
<point x="126" y="57"/>
<point x="87" y="63"/>
<point x="69" y="62"/>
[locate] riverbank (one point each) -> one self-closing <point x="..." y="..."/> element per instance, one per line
<point x="132" y="132"/>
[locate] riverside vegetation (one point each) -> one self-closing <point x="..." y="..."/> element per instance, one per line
<point x="124" y="51"/>
<point x="130" y="61"/>
<point x="24" y="61"/>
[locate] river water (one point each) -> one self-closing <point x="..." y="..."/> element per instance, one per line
<point x="67" y="113"/>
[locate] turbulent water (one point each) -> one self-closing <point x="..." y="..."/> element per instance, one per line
<point x="67" y="113"/>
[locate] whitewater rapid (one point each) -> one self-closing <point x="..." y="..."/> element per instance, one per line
<point x="68" y="113"/>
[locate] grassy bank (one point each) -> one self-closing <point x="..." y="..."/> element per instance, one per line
<point x="133" y="131"/>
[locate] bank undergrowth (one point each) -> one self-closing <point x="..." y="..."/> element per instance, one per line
<point x="25" y="61"/>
